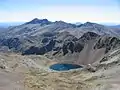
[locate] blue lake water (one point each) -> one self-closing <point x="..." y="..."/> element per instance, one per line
<point x="63" y="67"/>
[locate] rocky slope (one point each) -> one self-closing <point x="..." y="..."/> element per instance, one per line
<point x="73" y="50"/>
<point x="60" y="40"/>
<point x="32" y="73"/>
<point x="37" y="31"/>
<point x="37" y="27"/>
<point x="28" y="50"/>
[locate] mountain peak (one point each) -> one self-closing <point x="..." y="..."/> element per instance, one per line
<point x="60" y="22"/>
<point x="39" y="21"/>
<point x="89" y="35"/>
<point x="92" y="34"/>
<point x="35" y="19"/>
<point x="89" y="24"/>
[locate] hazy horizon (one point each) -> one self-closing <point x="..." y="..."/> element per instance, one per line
<point x="19" y="23"/>
<point x="98" y="11"/>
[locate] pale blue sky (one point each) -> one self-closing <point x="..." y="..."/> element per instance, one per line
<point x="66" y="10"/>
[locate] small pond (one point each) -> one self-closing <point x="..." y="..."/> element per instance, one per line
<point x="63" y="67"/>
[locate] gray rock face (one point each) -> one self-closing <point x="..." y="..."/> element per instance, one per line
<point x="42" y="50"/>
<point x="11" y="43"/>
<point x="75" y="45"/>
<point x="72" y="47"/>
<point x="107" y="42"/>
<point x="63" y="42"/>
<point x="41" y="36"/>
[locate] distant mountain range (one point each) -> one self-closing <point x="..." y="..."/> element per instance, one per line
<point x="7" y="24"/>
<point x="37" y="26"/>
<point x="117" y="26"/>
<point x="60" y="39"/>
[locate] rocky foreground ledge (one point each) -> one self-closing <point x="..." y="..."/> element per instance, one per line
<point x="33" y="73"/>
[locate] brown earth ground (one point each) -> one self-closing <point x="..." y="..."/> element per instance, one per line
<point x="32" y="73"/>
